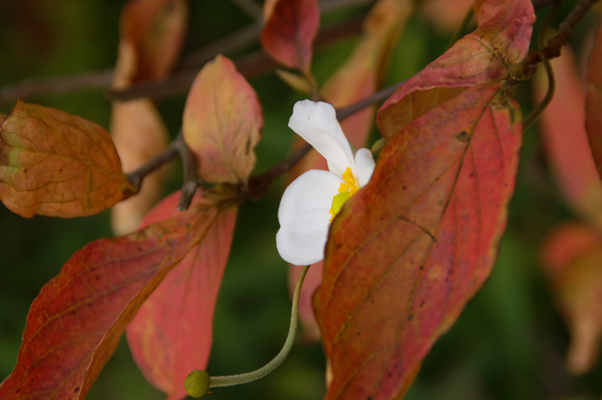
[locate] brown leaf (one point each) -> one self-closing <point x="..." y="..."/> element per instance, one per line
<point x="172" y="333"/>
<point x="75" y="323"/>
<point x="139" y="134"/>
<point x="410" y="249"/>
<point x="154" y="30"/>
<point x="56" y="164"/>
<point x="289" y="30"/>
<point x="222" y="123"/>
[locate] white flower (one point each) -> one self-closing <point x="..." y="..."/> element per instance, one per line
<point x="310" y="203"/>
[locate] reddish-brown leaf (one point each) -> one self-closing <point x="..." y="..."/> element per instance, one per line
<point x="56" y="164"/>
<point x="222" y="122"/>
<point x="572" y="257"/>
<point x="153" y="31"/>
<point x="485" y="55"/>
<point x="447" y="14"/>
<point x="360" y="76"/>
<point x="565" y="141"/>
<point x="289" y="30"/>
<point x="171" y="334"/>
<point x="593" y="102"/>
<point x="75" y="323"/>
<point x="409" y="250"/>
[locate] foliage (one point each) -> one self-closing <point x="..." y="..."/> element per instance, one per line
<point x="458" y="177"/>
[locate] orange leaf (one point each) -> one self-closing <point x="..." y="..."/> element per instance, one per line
<point x="222" y="122"/>
<point x="359" y="77"/>
<point x="572" y="257"/>
<point x="171" y="334"/>
<point x="447" y="14"/>
<point x="593" y="102"/>
<point x="485" y="55"/>
<point x="408" y="251"/>
<point x="75" y="323"/>
<point x="289" y="31"/>
<point x="565" y="141"/>
<point x="56" y="164"/>
<point x="139" y="134"/>
<point x="154" y="30"/>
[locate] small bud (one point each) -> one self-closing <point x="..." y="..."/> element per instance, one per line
<point x="378" y="146"/>
<point x="197" y="383"/>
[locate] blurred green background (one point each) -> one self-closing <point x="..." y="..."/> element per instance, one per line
<point x="509" y="343"/>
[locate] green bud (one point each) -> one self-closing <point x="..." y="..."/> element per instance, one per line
<point x="197" y="383"/>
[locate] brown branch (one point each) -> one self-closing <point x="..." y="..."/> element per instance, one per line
<point x="565" y="31"/>
<point x="176" y="147"/>
<point x="249" y="65"/>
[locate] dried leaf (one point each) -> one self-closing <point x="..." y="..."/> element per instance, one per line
<point x="155" y="30"/>
<point x="572" y="257"/>
<point x="485" y="55"/>
<point x="409" y="250"/>
<point x="171" y="334"/>
<point x="75" y="323"/>
<point x="139" y="134"/>
<point x="593" y="102"/>
<point x="289" y="30"/>
<point x="56" y="164"/>
<point x="565" y="141"/>
<point x="360" y="76"/>
<point x="152" y="35"/>
<point x="222" y="123"/>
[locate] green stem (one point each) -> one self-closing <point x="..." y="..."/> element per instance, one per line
<point x="531" y="118"/>
<point x="199" y="382"/>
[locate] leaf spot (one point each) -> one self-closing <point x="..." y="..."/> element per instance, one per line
<point x="464" y="137"/>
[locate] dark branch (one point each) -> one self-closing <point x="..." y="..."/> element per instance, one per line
<point x="565" y="30"/>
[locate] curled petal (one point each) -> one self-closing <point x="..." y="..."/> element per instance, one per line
<point x="304" y="217"/>
<point x="365" y="165"/>
<point x="317" y="124"/>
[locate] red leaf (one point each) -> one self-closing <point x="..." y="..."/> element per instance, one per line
<point x="593" y="102"/>
<point x="75" y="323"/>
<point x="565" y="141"/>
<point x="446" y="14"/>
<point x="412" y="247"/>
<point x="572" y="257"/>
<point x="357" y="78"/>
<point x="171" y="334"/>
<point x="485" y="55"/>
<point x="289" y="31"/>
<point x="56" y="164"/>
<point x="222" y="122"/>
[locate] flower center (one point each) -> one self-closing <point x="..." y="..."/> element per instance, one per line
<point x="346" y="190"/>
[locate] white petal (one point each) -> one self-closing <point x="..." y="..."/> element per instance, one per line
<point x="364" y="161"/>
<point x="304" y="217"/>
<point x="317" y="124"/>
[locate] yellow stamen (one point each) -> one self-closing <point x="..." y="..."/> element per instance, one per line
<point x="347" y="189"/>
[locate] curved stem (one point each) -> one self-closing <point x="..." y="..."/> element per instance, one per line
<point x="531" y="118"/>
<point x="230" y="380"/>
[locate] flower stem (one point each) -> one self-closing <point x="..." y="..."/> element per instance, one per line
<point x="199" y="382"/>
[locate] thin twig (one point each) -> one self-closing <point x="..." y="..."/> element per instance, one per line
<point x="251" y="8"/>
<point x="377" y="97"/>
<point x="135" y="177"/>
<point x="565" y="30"/>
<point x="249" y="65"/>
<point x="191" y="178"/>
